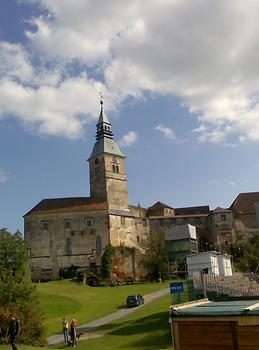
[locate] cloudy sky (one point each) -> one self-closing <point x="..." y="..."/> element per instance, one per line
<point x="180" y="81"/>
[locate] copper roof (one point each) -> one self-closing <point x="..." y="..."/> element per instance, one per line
<point x="245" y="203"/>
<point x="68" y="204"/>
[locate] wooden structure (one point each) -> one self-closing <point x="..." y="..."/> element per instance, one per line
<point x="205" y="325"/>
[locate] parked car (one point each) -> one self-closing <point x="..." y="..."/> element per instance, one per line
<point x="134" y="300"/>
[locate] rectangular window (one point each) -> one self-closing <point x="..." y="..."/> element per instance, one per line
<point x="45" y="226"/>
<point x="161" y="222"/>
<point x="223" y="217"/>
<point x="68" y="247"/>
<point x="122" y="220"/>
<point x="67" y="224"/>
<point x="197" y="221"/>
<point x="89" y="222"/>
<point x="173" y="221"/>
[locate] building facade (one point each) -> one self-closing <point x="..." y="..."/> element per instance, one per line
<point x="61" y="232"/>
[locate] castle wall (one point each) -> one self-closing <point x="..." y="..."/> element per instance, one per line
<point x="59" y="240"/>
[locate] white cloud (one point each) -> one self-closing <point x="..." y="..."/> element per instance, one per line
<point x="167" y="132"/>
<point x="3" y="176"/>
<point x="14" y="61"/>
<point x="80" y="30"/>
<point x="206" y="53"/>
<point x="232" y="183"/>
<point x="128" y="139"/>
<point x="62" y="109"/>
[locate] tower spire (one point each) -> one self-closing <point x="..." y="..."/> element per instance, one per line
<point x="103" y="125"/>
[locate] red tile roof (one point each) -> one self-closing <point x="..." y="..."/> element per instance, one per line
<point x="245" y="203"/>
<point x="68" y="204"/>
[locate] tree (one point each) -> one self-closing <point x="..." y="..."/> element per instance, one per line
<point x="154" y="254"/>
<point x="17" y="293"/>
<point x="246" y="253"/>
<point x="106" y="263"/>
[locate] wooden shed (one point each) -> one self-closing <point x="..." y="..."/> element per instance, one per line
<point x="226" y="325"/>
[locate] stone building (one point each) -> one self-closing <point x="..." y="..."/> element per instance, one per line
<point x="216" y="229"/>
<point x="61" y="232"/>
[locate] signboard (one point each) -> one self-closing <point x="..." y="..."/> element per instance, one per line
<point x="176" y="287"/>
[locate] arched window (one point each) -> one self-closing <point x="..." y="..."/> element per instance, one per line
<point x="113" y="168"/>
<point x="68" y="246"/>
<point x="98" y="245"/>
<point x="117" y="168"/>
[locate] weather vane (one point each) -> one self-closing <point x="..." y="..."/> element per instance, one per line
<point x="101" y="98"/>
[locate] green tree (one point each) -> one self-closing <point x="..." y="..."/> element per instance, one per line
<point x="17" y="293"/>
<point x="106" y="263"/>
<point x="246" y="253"/>
<point x="154" y="254"/>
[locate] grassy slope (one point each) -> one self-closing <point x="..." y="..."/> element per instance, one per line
<point x="65" y="298"/>
<point x="145" y="329"/>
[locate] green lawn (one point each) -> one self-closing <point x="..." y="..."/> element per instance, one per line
<point x="65" y="298"/>
<point x="145" y="329"/>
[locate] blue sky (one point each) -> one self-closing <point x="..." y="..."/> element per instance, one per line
<point x="180" y="83"/>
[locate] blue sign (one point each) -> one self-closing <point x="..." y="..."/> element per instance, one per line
<point x="176" y="287"/>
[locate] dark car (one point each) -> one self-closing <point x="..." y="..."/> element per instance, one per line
<point x="134" y="300"/>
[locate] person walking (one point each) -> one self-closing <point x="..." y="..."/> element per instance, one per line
<point x="65" y="329"/>
<point x="73" y="326"/>
<point x="13" y="331"/>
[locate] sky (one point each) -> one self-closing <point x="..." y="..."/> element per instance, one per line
<point x="180" y="81"/>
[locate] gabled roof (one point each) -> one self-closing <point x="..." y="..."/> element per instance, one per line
<point x="245" y="203"/>
<point x="68" y="205"/>
<point x="159" y="205"/>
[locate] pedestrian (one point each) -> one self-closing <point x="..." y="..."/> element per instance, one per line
<point x="73" y="326"/>
<point x="65" y="329"/>
<point x="13" y="331"/>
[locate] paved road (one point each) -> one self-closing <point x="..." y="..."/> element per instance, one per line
<point x="93" y="325"/>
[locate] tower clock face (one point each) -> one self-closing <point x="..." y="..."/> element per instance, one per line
<point x="115" y="160"/>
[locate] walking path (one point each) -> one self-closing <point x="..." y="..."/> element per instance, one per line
<point x="93" y="325"/>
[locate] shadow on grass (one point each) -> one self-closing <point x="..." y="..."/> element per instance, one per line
<point x="154" y="331"/>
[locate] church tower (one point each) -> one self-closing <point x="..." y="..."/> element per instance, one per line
<point x="108" y="180"/>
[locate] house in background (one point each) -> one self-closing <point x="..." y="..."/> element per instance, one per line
<point x="180" y="241"/>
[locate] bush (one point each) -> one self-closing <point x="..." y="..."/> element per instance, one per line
<point x="32" y="332"/>
<point x="17" y="294"/>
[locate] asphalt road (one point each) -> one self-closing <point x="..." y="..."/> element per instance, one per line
<point x="93" y="325"/>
